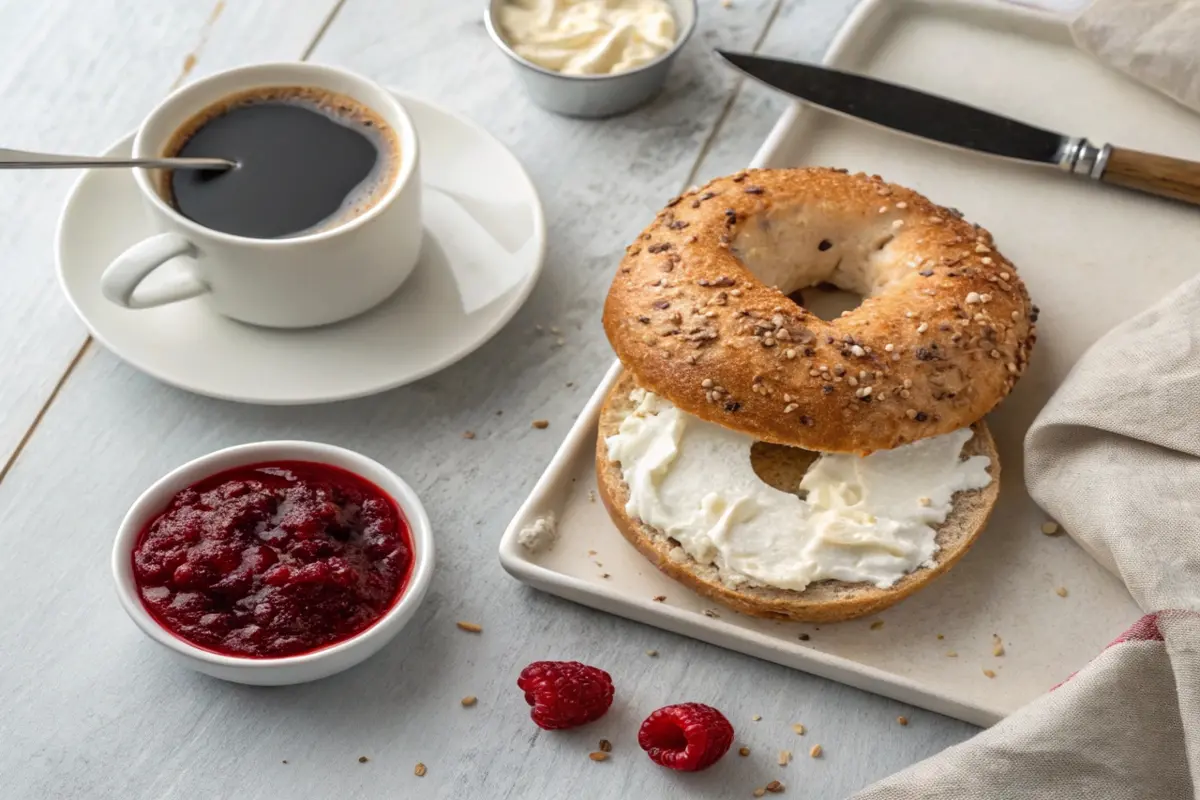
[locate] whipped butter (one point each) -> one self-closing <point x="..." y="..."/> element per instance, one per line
<point x="588" y="37"/>
<point x="867" y="519"/>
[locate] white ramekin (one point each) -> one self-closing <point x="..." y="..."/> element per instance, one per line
<point x="291" y="669"/>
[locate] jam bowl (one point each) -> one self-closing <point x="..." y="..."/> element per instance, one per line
<point x="274" y="563"/>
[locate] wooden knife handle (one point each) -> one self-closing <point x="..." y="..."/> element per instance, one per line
<point x="1154" y="174"/>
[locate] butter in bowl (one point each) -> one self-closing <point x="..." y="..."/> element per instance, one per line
<point x="591" y="58"/>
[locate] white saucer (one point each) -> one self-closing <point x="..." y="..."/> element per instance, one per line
<point x="420" y="330"/>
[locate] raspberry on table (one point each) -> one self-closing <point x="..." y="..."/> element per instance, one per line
<point x="687" y="737"/>
<point x="565" y="694"/>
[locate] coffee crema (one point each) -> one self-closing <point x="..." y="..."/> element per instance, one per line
<point x="308" y="159"/>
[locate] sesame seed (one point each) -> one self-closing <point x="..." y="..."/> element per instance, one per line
<point x="924" y="326"/>
<point x="911" y="413"/>
<point x="908" y="314"/>
<point x="986" y="260"/>
<point x="789" y="353"/>
<point x="935" y="220"/>
<point x="816" y="751"/>
<point x="858" y="351"/>
<point x="982" y="248"/>
<point x="902" y="205"/>
<point x="907" y="383"/>
<point x="757" y="718"/>
<point x="853" y="381"/>
<point x="883" y="209"/>
<point x="972" y="298"/>
<point x="898" y="224"/>
<point x="989" y="673"/>
<point x="789" y="408"/>
<point x="1016" y="315"/>
<point x="707" y="383"/>
<point x="1004" y="276"/>
<point x="985" y="298"/>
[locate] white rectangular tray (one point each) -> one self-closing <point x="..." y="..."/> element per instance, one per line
<point x="1091" y="257"/>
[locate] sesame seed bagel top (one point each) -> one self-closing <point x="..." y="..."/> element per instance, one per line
<point x="699" y="313"/>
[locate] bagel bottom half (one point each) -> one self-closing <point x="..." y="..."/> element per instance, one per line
<point x="783" y="467"/>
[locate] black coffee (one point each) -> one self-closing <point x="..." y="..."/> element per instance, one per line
<point x="308" y="160"/>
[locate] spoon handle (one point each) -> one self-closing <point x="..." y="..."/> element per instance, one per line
<point x="21" y="159"/>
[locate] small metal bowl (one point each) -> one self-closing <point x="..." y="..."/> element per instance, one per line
<point x="594" y="96"/>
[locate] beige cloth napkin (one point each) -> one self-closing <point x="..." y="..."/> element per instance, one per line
<point x="1156" y="42"/>
<point x="1115" y="457"/>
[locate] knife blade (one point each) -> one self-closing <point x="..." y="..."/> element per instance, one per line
<point x="949" y="122"/>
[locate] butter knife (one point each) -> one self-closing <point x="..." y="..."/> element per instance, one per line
<point x="949" y="122"/>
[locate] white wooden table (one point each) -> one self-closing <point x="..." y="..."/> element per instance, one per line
<point x="91" y="708"/>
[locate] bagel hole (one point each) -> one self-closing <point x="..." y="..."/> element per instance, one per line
<point x="782" y="467"/>
<point x="826" y="300"/>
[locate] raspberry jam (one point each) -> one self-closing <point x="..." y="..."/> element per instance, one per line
<point x="274" y="559"/>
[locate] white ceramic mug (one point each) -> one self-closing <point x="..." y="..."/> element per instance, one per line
<point x="294" y="282"/>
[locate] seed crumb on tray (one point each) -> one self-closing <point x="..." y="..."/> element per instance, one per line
<point x="1049" y="528"/>
<point x="774" y="787"/>
<point x="989" y="673"/>
<point x="469" y="700"/>
<point x="1061" y="591"/>
<point x="785" y="757"/>
<point x="652" y="653"/>
<point x="997" y="645"/>
<point x="541" y="424"/>
<point x="599" y="755"/>
<point x="419" y="770"/>
<point x="468" y="434"/>
<point x="902" y="721"/>
<point x="816" y="751"/>
<point x="798" y="729"/>
<point x="877" y="624"/>
<point x="660" y="598"/>
<point x="469" y="627"/>
<point x="363" y="759"/>
<point x="743" y="751"/>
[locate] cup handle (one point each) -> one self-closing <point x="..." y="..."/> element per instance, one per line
<point x="127" y="271"/>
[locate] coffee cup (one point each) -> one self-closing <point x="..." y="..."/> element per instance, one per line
<point x="314" y="277"/>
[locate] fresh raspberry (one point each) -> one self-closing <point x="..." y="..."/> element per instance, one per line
<point x="565" y="693"/>
<point x="688" y="737"/>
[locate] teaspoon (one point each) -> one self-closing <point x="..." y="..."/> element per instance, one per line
<point x="21" y="159"/>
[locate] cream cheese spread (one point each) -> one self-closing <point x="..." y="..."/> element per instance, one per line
<point x="588" y="37"/>
<point x="861" y="519"/>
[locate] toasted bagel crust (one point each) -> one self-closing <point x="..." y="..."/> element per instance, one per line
<point x="944" y="331"/>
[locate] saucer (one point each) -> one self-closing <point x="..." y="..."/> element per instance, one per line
<point x="418" y="331"/>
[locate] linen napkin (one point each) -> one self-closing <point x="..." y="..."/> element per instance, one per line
<point x="1115" y="457"/>
<point x="1156" y="42"/>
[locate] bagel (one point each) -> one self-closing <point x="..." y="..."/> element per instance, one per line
<point x="783" y="468"/>
<point x="699" y="312"/>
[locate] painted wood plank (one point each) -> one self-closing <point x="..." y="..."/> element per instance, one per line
<point x="74" y="77"/>
<point x="89" y="706"/>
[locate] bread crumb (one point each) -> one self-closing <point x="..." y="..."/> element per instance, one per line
<point x="925" y="502"/>
<point x="951" y="654"/>
<point x="419" y="770"/>
<point x="941" y="636"/>
<point x="469" y="700"/>
<point x="989" y="673"/>
<point x="555" y="329"/>
<point x="591" y="552"/>
<point x="599" y="755"/>
<point x="469" y="627"/>
<point x="877" y="624"/>
<point x="902" y="720"/>
<point x="804" y="637"/>
<point x="711" y="613"/>
<point x="660" y="598"/>
<point x="541" y="424"/>
<point x="760" y="791"/>
<point x="605" y="746"/>
<point x="1061" y="591"/>
<point x="468" y="434"/>
<point x="727" y="3"/>
<point x="570" y="384"/>
<point x="363" y="759"/>
<point x="757" y="717"/>
<point x="652" y="653"/>
<point x="1049" y="528"/>
<point x="816" y="751"/>
<point x="798" y="729"/>
<point x="605" y="575"/>
<point x="743" y="751"/>
<point x="774" y="787"/>
<point x="785" y="756"/>
<point x="285" y="761"/>
<point x="997" y="645"/>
